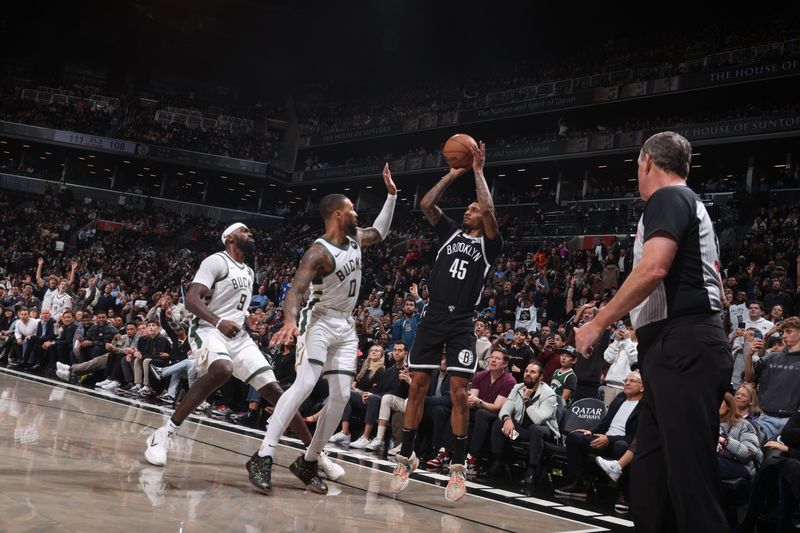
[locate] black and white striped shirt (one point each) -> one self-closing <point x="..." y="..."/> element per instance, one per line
<point x="692" y="284"/>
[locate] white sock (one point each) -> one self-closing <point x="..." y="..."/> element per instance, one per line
<point x="172" y="428"/>
<point x="381" y="432"/>
<point x="267" y="448"/>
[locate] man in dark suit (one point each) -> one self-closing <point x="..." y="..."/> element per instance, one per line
<point x="36" y="353"/>
<point x="610" y="437"/>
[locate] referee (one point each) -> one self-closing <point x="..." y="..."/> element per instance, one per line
<point x="674" y="296"/>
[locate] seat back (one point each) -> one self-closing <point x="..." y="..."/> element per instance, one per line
<point x="582" y="414"/>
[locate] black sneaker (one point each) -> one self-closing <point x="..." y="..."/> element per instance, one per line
<point x="259" y="469"/>
<point x="156" y="372"/>
<point x="576" y="490"/>
<point x="306" y="471"/>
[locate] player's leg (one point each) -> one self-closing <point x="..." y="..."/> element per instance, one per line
<point x="250" y="367"/>
<point x="311" y="352"/>
<point x="219" y="371"/>
<point x="340" y="371"/>
<point x="461" y="365"/>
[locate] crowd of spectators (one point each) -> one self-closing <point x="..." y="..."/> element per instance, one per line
<point x="109" y="310"/>
<point x="565" y="130"/>
<point x="134" y="119"/>
<point x="678" y="51"/>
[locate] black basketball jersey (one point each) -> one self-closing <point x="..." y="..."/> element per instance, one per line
<point x="461" y="266"/>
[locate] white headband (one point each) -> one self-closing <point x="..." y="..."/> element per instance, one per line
<point x="230" y="229"/>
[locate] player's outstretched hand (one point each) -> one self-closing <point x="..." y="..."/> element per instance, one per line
<point x="458" y="172"/>
<point x="478" y="156"/>
<point x="283" y="335"/>
<point x="391" y="188"/>
<point x="229" y="328"/>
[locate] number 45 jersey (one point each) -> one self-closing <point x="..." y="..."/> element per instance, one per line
<point x="230" y="284"/>
<point x="338" y="290"/>
<point x="461" y="266"/>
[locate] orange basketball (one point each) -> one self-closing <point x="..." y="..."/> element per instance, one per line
<point x="456" y="151"/>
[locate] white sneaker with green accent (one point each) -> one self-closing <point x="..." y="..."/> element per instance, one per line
<point x="331" y="470"/>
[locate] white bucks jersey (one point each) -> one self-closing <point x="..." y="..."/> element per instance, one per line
<point x="230" y="284"/>
<point x="339" y="289"/>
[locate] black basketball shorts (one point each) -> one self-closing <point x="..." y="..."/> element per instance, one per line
<point x="449" y="331"/>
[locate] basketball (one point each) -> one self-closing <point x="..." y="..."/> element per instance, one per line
<point x="456" y="151"/>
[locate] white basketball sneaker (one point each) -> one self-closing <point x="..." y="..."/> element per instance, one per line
<point x="157" y="446"/>
<point x="331" y="470"/>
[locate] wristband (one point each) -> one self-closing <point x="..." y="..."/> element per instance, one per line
<point x="218" y="321"/>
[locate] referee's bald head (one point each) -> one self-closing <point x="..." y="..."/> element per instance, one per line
<point x="670" y="152"/>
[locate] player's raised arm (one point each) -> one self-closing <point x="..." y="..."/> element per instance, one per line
<point x="485" y="201"/>
<point x="380" y="228"/>
<point x="428" y="205"/>
<point x="315" y="262"/>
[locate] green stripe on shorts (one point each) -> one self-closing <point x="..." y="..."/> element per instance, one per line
<point x="257" y="372"/>
<point x="343" y="372"/>
<point x="316" y="362"/>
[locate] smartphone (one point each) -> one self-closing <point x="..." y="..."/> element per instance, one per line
<point x="741" y="325"/>
<point x="758" y="335"/>
<point x="514" y="435"/>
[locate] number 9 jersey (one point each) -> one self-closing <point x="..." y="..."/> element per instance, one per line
<point x="230" y="284"/>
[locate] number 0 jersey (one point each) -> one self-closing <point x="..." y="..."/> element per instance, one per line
<point x="338" y="290"/>
<point x="462" y="264"/>
<point x="230" y="284"/>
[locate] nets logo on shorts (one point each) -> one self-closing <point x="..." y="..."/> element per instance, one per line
<point x="466" y="357"/>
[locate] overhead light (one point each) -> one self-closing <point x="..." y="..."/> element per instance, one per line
<point x="314" y="189"/>
<point x="298" y="198"/>
<point x="272" y="185"/>
<point x="140" y="175"/>
<point x="602" y="166"/>
<point x="42" y="157"/>
<point x="695" y="154"/>
<point x="242" y="183"/>
<point x="628" y="160"/>
<point x="545" y="178"/>
<point x="251" y="190"/>
<point x="631" y="179"/>
<point x="538" y="185"/>
<point x="192" y="172"/>
<point x="152" y="175"/>
<point x="92" y="156"/>
<point x="180" y="173"/>
<point x="82" y="158"/>
<point x="729" y="176"/>
<point x="6" y="152"/>
<point x="48" y="153"/>
<point x="107" y="170"/>
<point x="3" y="142"/>
<point x="92" y="172"/>
<point x="501" y="175"/>
<point x="780" y="166"/>
<point x="126" y="161"/>
<point x="26" y="145"/>
<point x="347" y="188"/>
<point x="289" y="190"/>
<point x="696" y="166"/>
<point x="89" y="165"/>
<point x="199" y="182"/>
<point x="146" y="168"/>
<point x="521" y="170"/>
<point x="231" y="189"/>
<point x="369" y="186"/>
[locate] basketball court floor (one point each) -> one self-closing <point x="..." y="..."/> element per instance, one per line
<point x="72" y="460"/>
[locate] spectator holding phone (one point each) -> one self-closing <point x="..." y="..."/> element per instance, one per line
<point x="776" y="375"/>
<point x="620" y="355"/>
